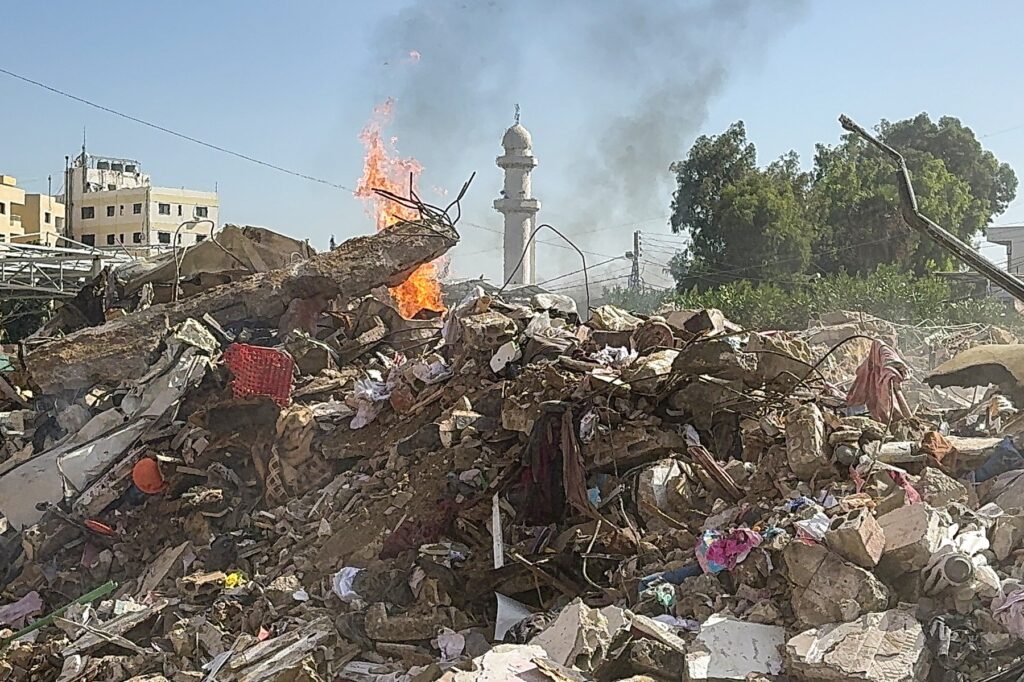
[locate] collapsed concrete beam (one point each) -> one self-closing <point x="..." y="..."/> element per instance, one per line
<point x="120" y="349"/>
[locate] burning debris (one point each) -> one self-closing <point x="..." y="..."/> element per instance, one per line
<point x="384" y="169"/>
<point x="281" y="476"/>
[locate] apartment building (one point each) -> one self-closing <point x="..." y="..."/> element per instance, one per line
<point x="28" y="218"/>
<point x="112" y="203"/>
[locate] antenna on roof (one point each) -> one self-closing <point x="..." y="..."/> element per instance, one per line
<point x="517" y="113"/>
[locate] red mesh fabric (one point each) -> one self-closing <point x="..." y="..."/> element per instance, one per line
<point x="260" y="371"/>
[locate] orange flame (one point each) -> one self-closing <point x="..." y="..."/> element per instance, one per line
<point x="384" y="169"/>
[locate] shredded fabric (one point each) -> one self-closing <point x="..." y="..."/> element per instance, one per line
<point x="878" y="378"/>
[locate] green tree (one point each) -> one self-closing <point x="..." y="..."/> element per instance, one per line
<point x="779" y="222"/>
<point x="855" y="200"/>
<point x="742" y="220"/>
<point x="993" y="185"/>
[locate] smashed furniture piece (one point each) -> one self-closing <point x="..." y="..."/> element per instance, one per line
<point x="118" y="350"/>
<point x="877" y="647"/>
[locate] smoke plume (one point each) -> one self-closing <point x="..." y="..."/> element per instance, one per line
<point x="613" y="92"/>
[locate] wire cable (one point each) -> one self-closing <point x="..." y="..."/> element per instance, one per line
<point x="175" y="133"/>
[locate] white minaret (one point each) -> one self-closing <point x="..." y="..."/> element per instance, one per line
<point x="517" y="204"/>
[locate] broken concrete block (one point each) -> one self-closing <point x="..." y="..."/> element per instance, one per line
<point x="579" y="637"/>
<point x="878" y="647"/>
<point x="829" y="589"/>
<point x="938" y="489"/>
<point x="503" y="662"/>
<point x="664" y="489"/>
<point x="409" y="628"/>
<point x="717" y="358"/>
<point x="912" y="534"/>
<point x="1007" y="533"/>
<point x="805" y="442"/>
<point x="612" y="319"/>
<point x="730" y="649"/>
<point x="649" y="374"/>
<point x="857" y="537"/>
<point x="120" y="349"/>
<point x="487" y="331"/>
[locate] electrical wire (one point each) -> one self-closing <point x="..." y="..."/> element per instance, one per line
<point x="175" y="133"/>
<point x="576" y="272"/>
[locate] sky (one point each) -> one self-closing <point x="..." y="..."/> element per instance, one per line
<point x="612" y="92"/>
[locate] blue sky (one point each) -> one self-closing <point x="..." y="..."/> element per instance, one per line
<point x="294" y="83"/>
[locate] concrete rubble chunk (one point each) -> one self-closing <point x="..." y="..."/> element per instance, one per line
<point x="487" y="331"/>
<point x="579" y="637"/>
<point x="1007" y="533"/>
<point x="717" y="358"/>
<point x="648" y="374"/>
<point x="829" y="589"/>
<point x="877" y="647"/>
<point x="731" y="649"/>
<point x="120" y="349"/>
<point x="664" y="489"/>
<point x="912" y="534"/>
<point x="611" y="319"/>
<point x="503" y="662"/>
<point x="857" y="537"/>
<point x="938" y="489"/>
<point x="806" y="448"/>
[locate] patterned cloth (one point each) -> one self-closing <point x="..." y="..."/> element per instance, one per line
<point x="878" y="378"/>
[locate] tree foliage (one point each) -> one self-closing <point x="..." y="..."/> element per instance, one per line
<point x="890" y="292"/>
<point x="778" y="222"/>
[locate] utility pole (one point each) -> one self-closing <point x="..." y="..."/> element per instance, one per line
<point x="635" y="283"/>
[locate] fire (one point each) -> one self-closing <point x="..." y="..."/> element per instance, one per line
<point x="384" y="169"/>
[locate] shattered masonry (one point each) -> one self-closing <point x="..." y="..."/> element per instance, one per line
<point x="279" y="477"/>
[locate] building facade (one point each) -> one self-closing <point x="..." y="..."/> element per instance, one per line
<point x="28" y="218"/>
<point x="111" y="203"/>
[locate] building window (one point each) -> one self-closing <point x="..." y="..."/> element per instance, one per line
<point x="136" y="209"/>
<point x="3" y="208"/>
<point x="202" y="212"/>
<point x="47" y="217"/>
<point x="200" y="237"/>
<point x="3" y="237"/>
<point x="110" y="211"/>
<point x="88" y="212"/>
<point x="120" y="237"/>
<point x="59" y="223"/>
<point x="120" y="211"/>
<point x="164" y="237"/>
<point x="110" y="239"/>
<point x="164" y="209"/>
<point x="89" y="239"/>
<point x="179" y="209"/>
<point x="136" y="237"/>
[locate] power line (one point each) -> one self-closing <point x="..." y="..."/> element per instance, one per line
<point x="175" y="133"/>
<point x="600" y="281"/>
<point x="576" y="272"/>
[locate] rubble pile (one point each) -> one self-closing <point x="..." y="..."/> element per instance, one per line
<point x="277" y="477"/>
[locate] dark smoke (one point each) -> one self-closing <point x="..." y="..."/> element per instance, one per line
<point x="628" y="83"/>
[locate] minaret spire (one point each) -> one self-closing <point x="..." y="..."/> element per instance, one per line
<point x="517" y="204"/>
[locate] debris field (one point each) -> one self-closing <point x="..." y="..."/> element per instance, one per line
<point x="247" y="466"/>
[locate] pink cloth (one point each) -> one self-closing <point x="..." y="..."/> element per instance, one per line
<point x="717" y="551"/>
<point x="913" y="497"/>
<point x="877" y="378"/>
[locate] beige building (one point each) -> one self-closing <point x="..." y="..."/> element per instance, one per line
<point x="111" y="203"/>
<point x="28" y="218"/>
<point x="42" y="218"/>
